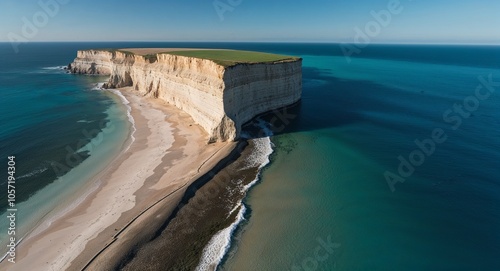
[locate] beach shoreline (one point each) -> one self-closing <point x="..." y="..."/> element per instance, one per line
<point x="168" y="153"/>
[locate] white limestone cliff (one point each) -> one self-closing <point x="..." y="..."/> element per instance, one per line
<point x="220" y="99"/>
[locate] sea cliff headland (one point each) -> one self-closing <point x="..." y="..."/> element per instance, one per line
<point x="220" y="89"/>
<point x="180" y="100"/>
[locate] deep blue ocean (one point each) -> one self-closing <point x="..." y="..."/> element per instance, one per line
<point x="327" y="188"/>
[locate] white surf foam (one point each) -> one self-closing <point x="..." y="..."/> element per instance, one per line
<point x="263" y="147"/>
<point x="98" y="86"/>
<point x="34" y="172"/>
<point x="259" y="158"/>
<point x="84" y="121"/>
<point x="55" y="68"/>
<point x="49" y="70"/>
<point x="129" y="113"/>
<point x="220" y="243"/>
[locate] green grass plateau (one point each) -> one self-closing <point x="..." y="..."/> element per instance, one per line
<point x="232" y="57"/>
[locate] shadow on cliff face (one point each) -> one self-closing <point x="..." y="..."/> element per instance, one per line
<point x="326" y="102"/>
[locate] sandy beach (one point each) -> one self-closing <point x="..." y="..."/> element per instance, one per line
<point x="151" y="175"/>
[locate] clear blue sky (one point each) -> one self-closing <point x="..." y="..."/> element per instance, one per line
<point x="420" y="21"/>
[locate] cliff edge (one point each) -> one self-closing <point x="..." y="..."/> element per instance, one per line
<point x="221" y="93"/>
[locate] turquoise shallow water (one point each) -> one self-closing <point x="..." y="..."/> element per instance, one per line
<point x="325" y="182"/>
<point x="61" y="130"/>
<point x="326" y="178"/>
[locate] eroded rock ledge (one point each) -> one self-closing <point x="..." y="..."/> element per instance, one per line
<point x="219" y="98"/>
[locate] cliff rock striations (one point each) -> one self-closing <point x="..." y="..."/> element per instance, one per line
<point x="220" y="98"/>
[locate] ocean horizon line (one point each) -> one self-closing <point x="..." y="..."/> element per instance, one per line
<point x="267" y="42"/>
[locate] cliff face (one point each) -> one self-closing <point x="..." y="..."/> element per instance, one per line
<point x="220" y="99"/>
